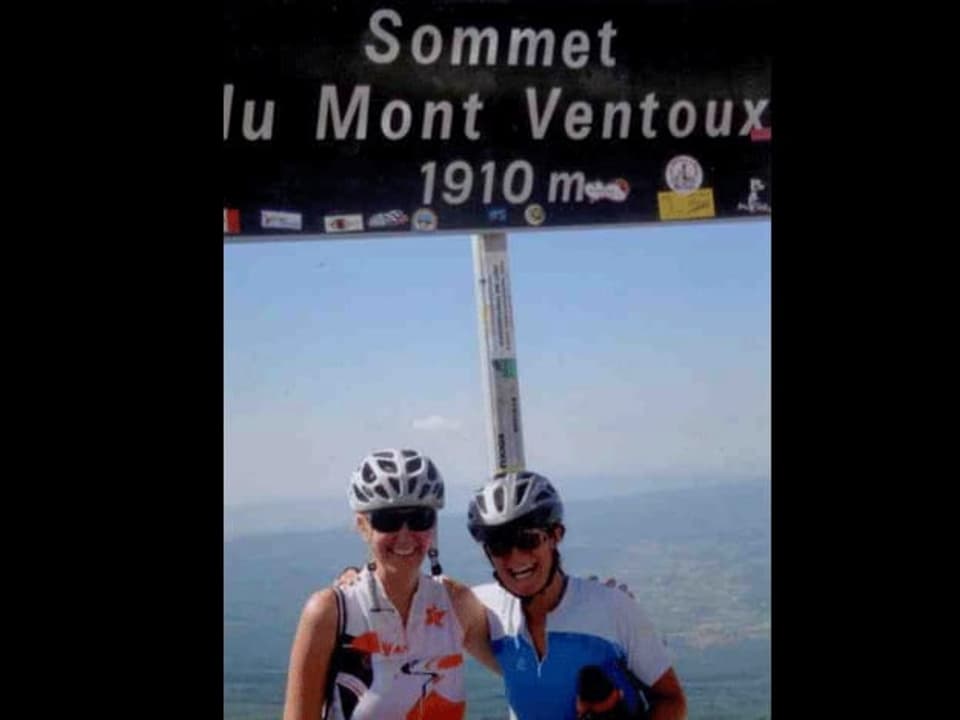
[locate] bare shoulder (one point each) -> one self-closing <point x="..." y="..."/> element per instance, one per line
<point x="456" y="589"/>
<point x="320" y="610"/>
<point x="465" y="602"/>
<point x="310" y="657"/>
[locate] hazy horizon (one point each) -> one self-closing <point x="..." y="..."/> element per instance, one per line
<point x="319" y="513"/>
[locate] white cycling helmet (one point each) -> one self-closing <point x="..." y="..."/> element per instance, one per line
<point x="395" y="478"/>
<point x="514" y="496"/>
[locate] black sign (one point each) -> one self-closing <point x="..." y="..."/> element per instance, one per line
<point x="476" y="115"/>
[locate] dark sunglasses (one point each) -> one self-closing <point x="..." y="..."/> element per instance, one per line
<point x="527" y="539"/>
<point x="390" y="520"/>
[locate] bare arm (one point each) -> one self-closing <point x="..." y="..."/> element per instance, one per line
<point x="647" y="659"/>
<point x="668" y="701"/>
<point x="473" y="619"/>
<point x="310" y="657"/>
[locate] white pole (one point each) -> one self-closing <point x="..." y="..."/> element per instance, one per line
<point x="498" y="356"/>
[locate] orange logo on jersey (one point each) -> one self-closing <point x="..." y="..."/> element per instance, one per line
<point x="370" y="643"/>
<point x="435" y="616"/>
<point x="391" y="649"/>
<point x="448" y="661"/>
<point x="437" y="707"/>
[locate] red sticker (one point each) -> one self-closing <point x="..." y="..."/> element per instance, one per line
<point x="231" y="221"/>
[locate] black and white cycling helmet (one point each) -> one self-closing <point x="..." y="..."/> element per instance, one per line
<point x="509" y="497"/>
<point x="395" y="478"/>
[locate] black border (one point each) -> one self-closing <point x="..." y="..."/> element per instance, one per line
<point x="127" y="276"/>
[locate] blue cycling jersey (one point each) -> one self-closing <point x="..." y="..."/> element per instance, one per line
<point x="592" y="625"/>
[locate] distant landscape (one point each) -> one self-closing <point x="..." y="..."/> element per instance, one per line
<point x="698" y="561"/>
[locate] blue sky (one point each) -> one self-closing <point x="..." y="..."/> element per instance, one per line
<point x="643" y="356"/>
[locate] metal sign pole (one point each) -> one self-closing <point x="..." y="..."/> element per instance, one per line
<point x="498" y="356"/>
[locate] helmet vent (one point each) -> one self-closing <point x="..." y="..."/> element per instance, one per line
<point x="431" y="471"/>
<point x="543" y="495"/>
<point x="387" y="466"/>
<point x="498" y="499"/>
<point x="415" y="465"/>
<point x="378" y="489"/>
<point x="411" y="485"/>
<point x="482" y="504"/>
<point x="408" y="453"/>
<point x="368" y="474"/>
<point x="424" y="489"/>
<point x="439" y="492"/>
<point x="395" y="484"/>
<point x="521" y="491"/>
<point x="360" y="496"/>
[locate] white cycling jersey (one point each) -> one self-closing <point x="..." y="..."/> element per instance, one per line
<point x="592" y="625"/>
<point x="388" y="672"/>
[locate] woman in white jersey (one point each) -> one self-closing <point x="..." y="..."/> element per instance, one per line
<point x="399" y="655"/>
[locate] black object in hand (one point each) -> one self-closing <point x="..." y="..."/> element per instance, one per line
<point x="597" y="697"/>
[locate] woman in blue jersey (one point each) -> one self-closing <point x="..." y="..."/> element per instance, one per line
<point x="390" y="646"/>
<point x="546" y="627"/>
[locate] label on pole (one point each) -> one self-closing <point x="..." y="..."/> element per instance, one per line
<point x="498" y="352"/>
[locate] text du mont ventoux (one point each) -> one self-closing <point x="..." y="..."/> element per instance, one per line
<point x="346" y="115"/>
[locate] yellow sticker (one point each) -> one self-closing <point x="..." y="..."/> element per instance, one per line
<point x="696" y="204"/>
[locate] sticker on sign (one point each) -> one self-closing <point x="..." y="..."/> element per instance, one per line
<point x="342" y="223"/>
<point x="390" y="218"/>
<point x="231" y="220"/>
<point x="615" y="190"/>
<point x="686" y="206"/>
<point x="280" y="220"/>
<point x="684" y="174"/>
